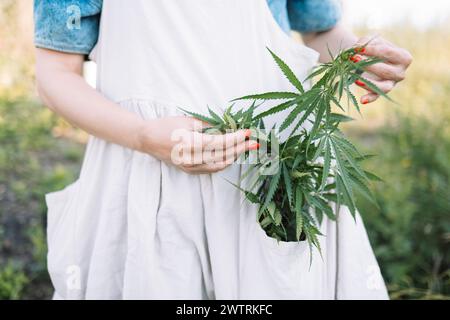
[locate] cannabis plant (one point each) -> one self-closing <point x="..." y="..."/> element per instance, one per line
<point x="317" y="168"/>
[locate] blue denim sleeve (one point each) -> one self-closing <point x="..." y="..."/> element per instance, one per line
<point x="313" y="15"/>
<point x="67" y="25"/>
<point x="279" y="12"/>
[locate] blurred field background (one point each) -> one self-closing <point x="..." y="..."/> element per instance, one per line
<point x="410" y="231"/>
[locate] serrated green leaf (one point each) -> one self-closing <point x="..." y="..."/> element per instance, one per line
<point x="287" y="183"/>
<point x="273" y="185"/>
<point x="337" y="103"/>
<point x="348" y="197"/>
<point x="352" y="97"/>
<point x="214" y="115"/>
<point x="278" y="218"/>
<point x="230" y="121"/>
<point x="373" y="177"/>
<point x="298" y="174"/>
<point x="320" y="149"/>
<point x="247" y="117"/>
<point x="287" y="72"/>
<point x="200" y="117"/>
<point x="330" y="197"/>
<point x="298" y="212"/>
<point x="271" y="210"/>
<point x="373" y="87"/>
<point x="362" y="188"/>
<point x="296" y="112"/>
<point x="345" y="144"/>
<point x="290" y="118"/>
<point x="337" y="117"/>
<point x="326" y="165"/>
<point x="269" y="96"/>
<point x="276" y="109"/>
<point x="266" y="221"/>
<point x="343" y="174"/>
<point x="318" y="71"/>
<point x="364" y="157"/>
<point x="319" y="203"/>
<point x="318" y="120"/>
<point x="252" y="197"/>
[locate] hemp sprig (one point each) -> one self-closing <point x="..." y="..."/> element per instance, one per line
<point x="316" y="167"/>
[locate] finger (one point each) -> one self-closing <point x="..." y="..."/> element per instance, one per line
<point x="228" y="140"/>
<point x="376" y="43"/>
<point x="384" y="85"/>
<point x="196" y="141"/>
<point x="250" y="145"/>
<point x="387" y="71"/>
<point x="195" y="144"/>
<point x="191" y="140"/>
<point x="369" y="39"/>
<point x="231" y="153"/>
<point x="389" y="53"/>
<point x="207" y="168"/>
<point x="381" y="50"/>
<point x="196" y="124"/>
<point x="192" y="148"/>
<point x="369" y="98"/>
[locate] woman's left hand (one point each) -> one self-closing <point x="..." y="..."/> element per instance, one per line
<point x="384" y="74"/>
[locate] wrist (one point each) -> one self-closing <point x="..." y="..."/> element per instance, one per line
<point x="142" y="141"/>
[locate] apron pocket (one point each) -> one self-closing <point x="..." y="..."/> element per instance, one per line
<point x="57" y="204"/>
<point x="281" y="248"/>
<point x="285" y="262"/>
<point x="60" y="227"/>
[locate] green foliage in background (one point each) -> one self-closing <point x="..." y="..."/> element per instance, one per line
<point x="411" y="229"/>
<point x="12" y="281"/>
<point x="32" y="163"/>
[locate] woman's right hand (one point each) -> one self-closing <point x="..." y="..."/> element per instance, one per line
<point x="179" y="141"/>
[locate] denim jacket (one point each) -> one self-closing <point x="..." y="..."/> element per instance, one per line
<point x="73" y="25"/>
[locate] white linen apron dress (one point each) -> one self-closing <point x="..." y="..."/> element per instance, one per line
<point x="132" y="227"/>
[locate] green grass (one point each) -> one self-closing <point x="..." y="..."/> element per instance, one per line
<point x="32" y="162"/>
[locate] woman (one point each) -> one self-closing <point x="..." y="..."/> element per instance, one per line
<point x="137" y="223"/>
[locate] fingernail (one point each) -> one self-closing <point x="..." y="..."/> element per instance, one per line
<point x="365" y="101"/>
<point x="357" y="59"/>
<point x="254" y="146"/>
<point x="248" y="133"/>
<point x="362" y="50"/>
<point x="360" y="83"/>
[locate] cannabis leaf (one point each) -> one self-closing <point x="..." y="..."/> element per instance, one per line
<point x="288" y="72"/>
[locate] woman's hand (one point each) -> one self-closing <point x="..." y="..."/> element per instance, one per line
<point x="385" y="74"/>
<point x="179" y="141"/>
